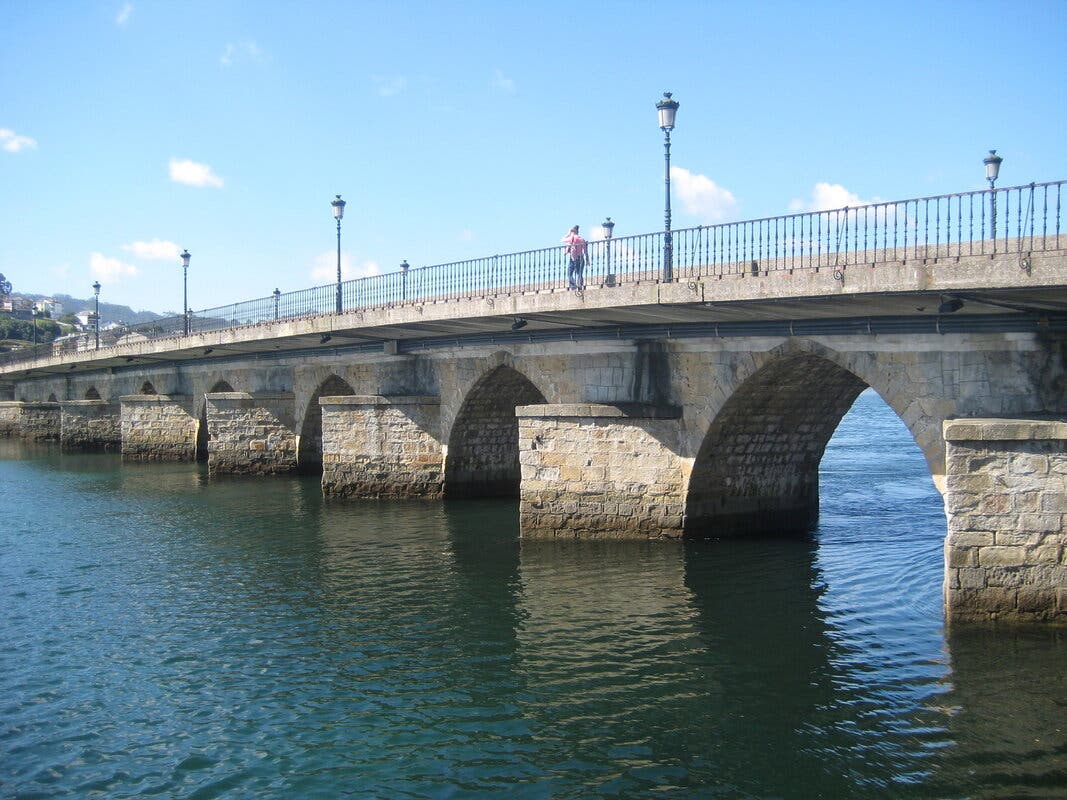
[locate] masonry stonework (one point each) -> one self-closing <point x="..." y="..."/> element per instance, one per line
<point x="41" y="422"/>
<point x="251" y="433"/>
<point x="10" y="418"/>
<point x="382" y="447"/>
<point x="158" y="427"/>
<point x="608" y="471"/>
<point x="1006" y="502"/>
<point x="91" y="425"/>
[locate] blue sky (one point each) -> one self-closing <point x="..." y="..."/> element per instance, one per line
<point x="131" y="130"/>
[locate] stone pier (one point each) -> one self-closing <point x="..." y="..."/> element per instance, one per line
<point x="251" y="433"/>
<point x="382" y="447"/>
<point x="158" y="427"/>
<point x="40" y="422"/>
<point x="91" y="425"/>
<point x="10" y="418"/>
<point x="595" y="470"/>
<point x="1006" y="502"/>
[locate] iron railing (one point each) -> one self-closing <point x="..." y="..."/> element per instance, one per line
<point x="1023" y="219"/>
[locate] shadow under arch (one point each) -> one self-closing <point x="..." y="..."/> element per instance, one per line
<point x="220" y="386"/>
<point x="148" y="388"/>
<point x="92" y="394"/>
<point x="483" y="447"/>
<point x="309" y="445"/>
<point x="757" y="469"/>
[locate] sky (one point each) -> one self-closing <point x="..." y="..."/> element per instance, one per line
<point x="130" y="130"/>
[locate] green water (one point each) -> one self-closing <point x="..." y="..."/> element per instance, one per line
<point x="166" y="635"/>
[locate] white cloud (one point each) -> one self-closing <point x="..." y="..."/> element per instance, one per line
<point x="155" y="250"/>
<point x="389" y="86"/>
<point x="245" y="50"/>
<point x="193" y="174"/>
<point x="110" y="270"/>
<point x="702" y="197"/>
<point x="502" y="83"/>
<point x="13" y="143"/>
<point x="828" y="196"/>
<point x="324" y="268"/>
<point x="124" y="14"/>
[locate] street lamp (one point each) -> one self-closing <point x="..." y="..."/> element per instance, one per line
<point x="992" y="172"/>
<point x="96" y="312"/>
<point x="667" y="108"/>
<point x="185" y="289"/>
<point x="277" y="296"/>
<point x="404" y="267"/>
<point x="338" y="213"/>
<point x="608" y="227"/>
<point x="33" y="321"/>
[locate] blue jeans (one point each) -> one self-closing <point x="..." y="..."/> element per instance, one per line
<point x="574" y="273"/>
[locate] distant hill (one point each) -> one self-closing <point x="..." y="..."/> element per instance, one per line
<point x="109" y="312"/>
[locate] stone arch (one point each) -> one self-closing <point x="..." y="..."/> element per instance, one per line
<point x="148" y="388"/>
<point x="309" y="445"/>
<point x="757" y="468"/>
<point x="220" y="386"/>
<point x="483" y="447"/>
<point x="92" y="394"/>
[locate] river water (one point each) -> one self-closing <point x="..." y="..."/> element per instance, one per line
<point x="172" y="636"/>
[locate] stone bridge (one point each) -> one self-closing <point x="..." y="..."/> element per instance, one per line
<point x="695" y="408"/>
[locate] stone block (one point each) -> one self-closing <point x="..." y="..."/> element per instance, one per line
<point x="1001" y="556"/>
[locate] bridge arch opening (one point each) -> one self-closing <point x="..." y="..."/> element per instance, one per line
<point x="148" y="388"/>
<point x="309" y="445"/>
<point x="220" y="386"/>
<point x="52" y="398"/>
<point x="483" y="448"/>
<point x="92" y="394"/>
<point x="757" y="469"/>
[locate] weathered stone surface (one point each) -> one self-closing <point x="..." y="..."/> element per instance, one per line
<point x="600" y="473"/>
<point x="91" y="425"/>
<point x="382" y="447"/>
<point x="158" y="427"/>
<point x="40" y="422"/>
<point x="250" y="433"/>
<point x="10" y="417"/>
<point x="1003" y="553"/>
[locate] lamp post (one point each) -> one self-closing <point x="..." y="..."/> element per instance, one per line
<point x="338" y="213"/>
<point x="33" y="321"/>
<point x="277" y="296"/>
<point x="667" y="108"/>
<point x="992" y="172"/>
<point x="96" y="311"/>
<point x="185" y="290"/>
<point x="608" y="227"/>
<point x="404" y="267"/>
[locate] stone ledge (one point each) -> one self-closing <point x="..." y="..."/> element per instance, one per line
<point x="601" y="410"/>
<point x="380" y="400"/>
<point x="1005" y="430"/>
<point x="227" y="396"/>
<point x="87" y="403"/>
<point x="155" y="398"/>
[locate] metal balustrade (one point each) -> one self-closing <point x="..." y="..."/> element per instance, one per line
<point x="1022" y="219"/>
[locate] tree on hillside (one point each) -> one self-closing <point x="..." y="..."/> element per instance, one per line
<point x="5" y="285"/>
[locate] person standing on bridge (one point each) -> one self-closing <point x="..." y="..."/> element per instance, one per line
<point x="577" y="255"/>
